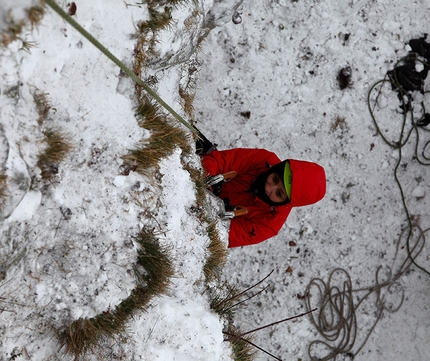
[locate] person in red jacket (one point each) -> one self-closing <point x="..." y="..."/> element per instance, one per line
<point x="266" y="187"/>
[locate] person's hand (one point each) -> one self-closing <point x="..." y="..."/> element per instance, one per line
<point x="214" y="184"/>
<point x="203" y="144"/>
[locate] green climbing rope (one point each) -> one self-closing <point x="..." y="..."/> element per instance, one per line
<point x="120" y="64"/>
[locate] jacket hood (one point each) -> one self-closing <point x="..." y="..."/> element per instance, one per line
<point x="309" y="183"/>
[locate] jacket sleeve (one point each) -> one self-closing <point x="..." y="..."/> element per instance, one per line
<point x="241" y="160"/>
<point x="245" y="232"/>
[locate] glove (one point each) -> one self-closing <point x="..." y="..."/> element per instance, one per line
<point x="203" y="144"/>
<point x="214" y="184"/>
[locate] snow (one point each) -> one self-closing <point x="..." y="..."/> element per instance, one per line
<point x="69" y="246"/>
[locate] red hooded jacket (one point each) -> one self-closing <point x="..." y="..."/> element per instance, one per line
<point x="262" y="220"/>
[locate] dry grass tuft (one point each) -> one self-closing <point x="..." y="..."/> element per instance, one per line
<point x="156" y="261"/>
<point x="160" y="18"/>
<point x="83" y="335"/>
<point x="217" y="254"/>
<point x="165" y="138"/>
<point x="188" y="98"/>
<point x="14" y="28"/>
<point x="27" y="46"/>
<point x="193" y="19"/>
<point x="58" y="146"/>
<point x="198" y="177"/>
<point x="173" y="3"/>
<point x="147" y="111"/>
<point x="223" y="298"/>
<point x="188" y="86"/>
<point x="223" y="301"/>
<point x="242" y="348"/>
<point x="140" y="58"/>
<point x="157" y="20"/>
<point x="13" y="31"/>
<point x="338" y="123"/>
<point x="43" y="106"/>
<point x="35" y="15"/>
<point x="153" y="272"/>
<point x="3" y="187"/>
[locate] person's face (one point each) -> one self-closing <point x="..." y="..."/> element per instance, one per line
<point x="275" y="189"/>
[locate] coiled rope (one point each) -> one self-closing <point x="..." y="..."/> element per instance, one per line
<point x="337" y="301"/>
<point x="113" y="58"/>
<point x="336" y="319"/>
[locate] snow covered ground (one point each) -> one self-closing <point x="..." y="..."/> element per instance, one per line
<point x="280" y="65"/>
<point x="268" y="81"/>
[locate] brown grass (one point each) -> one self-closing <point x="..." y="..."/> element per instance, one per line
<point x="165" y="138"/>
<point x="188" y="98"/>
<point x="14" y="29"/>
<point x="43" y="106"/>
<point x="223" y="297"/>
<point x="157" y="20"/>
<point x="35" y="14"/>
<point x="58" y="146"/>
<point x="218" y="254"/>
<point x="198" y="177"/>
<point x="3" y="188"/>
<point x="339" y="122"/>
<point x="192" y="20"/>
<point x="242" y="349"/>
<point x="84" y="335"/>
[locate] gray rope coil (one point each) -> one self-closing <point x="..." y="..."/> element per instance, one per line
<point x="338" y="304"/>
